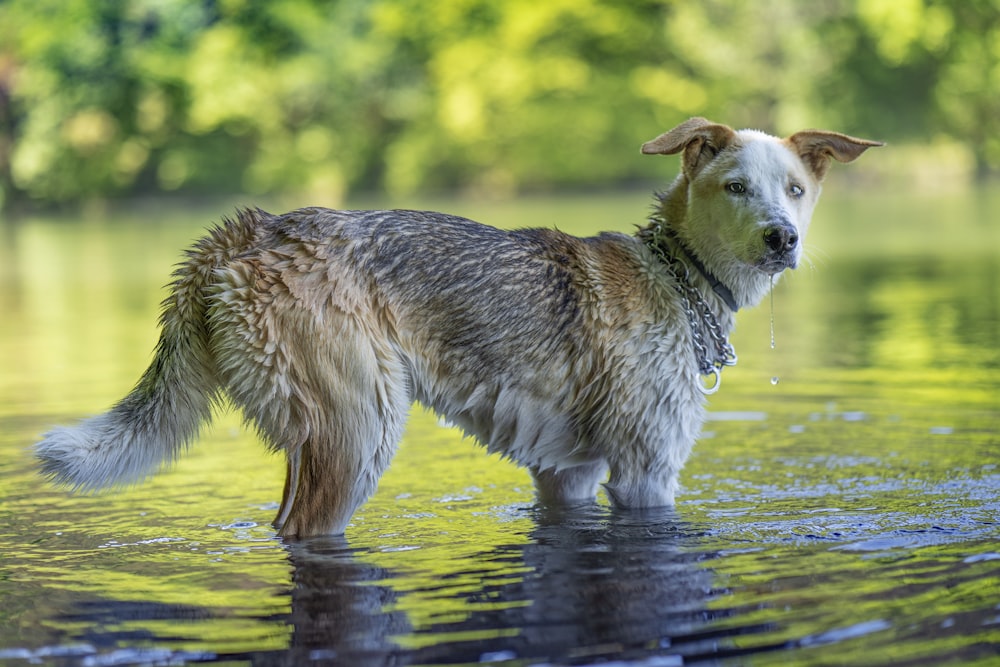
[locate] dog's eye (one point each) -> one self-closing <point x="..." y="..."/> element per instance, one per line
<point x="736" y="188"/>
<point x="796" y="190"/>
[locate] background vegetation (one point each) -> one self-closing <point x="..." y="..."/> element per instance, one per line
<point x="106" y="98"/>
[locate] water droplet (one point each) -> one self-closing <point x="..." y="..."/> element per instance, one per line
<point x="774" y="380"/>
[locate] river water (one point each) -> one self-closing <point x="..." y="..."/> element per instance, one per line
<point x="845" y="515"/>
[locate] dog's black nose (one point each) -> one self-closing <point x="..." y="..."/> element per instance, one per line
<point x="781" y="238"/>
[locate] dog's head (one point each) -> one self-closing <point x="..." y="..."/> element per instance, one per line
<point x="747" y="196"/>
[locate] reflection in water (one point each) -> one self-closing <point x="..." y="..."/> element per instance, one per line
<point x="339" y="607"/>
<point x="626" y="586"/>
<point x="587" y="585"/>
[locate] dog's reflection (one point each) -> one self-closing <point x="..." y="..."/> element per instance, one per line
<point x="340" y="605"/>
<point x="588" y="583"/>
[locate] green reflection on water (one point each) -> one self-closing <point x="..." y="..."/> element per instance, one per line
<point x="844" y="495"/>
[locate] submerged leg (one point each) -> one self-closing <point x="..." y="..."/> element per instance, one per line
<point x="569" y="486"/>
<point x="647" y="490"/>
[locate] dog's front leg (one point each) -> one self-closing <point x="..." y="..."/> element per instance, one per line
<point x="641" y="489"/>
<point x="569" y="486"/>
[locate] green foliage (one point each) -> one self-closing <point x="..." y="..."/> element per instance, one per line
<point x="104" y="97"/>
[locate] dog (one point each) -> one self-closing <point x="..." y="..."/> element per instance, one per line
<point x="586" y="360"/>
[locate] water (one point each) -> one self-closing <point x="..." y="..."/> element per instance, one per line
<point x="848" y="515"/>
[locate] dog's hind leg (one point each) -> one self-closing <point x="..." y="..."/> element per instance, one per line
<point x="327" y="389"/>
<point x="293" y="468"/>
<point x="337" y="469"/>
<point x="353" y="407"/>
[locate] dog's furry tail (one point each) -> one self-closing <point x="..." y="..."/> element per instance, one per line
<point x="174" y="397"/>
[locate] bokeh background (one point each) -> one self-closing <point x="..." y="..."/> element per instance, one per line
<point x="103" y="99"/>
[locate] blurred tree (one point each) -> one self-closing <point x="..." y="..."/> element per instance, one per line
<point x="922" y="69"/>
<point x="521" y="94"/>
<point x="95" y="92"/>
<point x="967" y="97"/>
<point x="101" y="97"/>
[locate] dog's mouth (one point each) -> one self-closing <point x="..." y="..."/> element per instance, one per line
<point x="772" y="264"/>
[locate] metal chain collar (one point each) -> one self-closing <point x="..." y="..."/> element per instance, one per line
<point x="705" y="328"/>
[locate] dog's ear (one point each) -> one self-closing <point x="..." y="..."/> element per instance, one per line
<point x="700" y="139"/>
<point x="816" y="147"/>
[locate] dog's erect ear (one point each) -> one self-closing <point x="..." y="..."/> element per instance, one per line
<point x="700" y="139"/>
<point x="816" y="147"/>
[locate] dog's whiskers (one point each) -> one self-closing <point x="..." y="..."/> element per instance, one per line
<point x="814" y="257"/>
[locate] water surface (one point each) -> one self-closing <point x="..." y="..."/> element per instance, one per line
<point x="845" y="515"/>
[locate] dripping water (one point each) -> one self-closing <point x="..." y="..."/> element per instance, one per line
<point x="774" y="379"/>
<point x="772" y="311"/>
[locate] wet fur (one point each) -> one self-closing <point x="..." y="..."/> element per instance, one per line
<point x="571" y="356"/>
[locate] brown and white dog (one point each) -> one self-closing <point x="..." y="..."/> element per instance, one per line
<point x="579" y="358"/>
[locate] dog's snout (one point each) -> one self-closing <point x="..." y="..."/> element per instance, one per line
<point x="781" y="238"/>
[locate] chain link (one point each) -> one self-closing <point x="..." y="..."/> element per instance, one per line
<point x="705" y="328"/>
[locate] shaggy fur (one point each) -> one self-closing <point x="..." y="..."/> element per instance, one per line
<point x="571" y="356"/>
